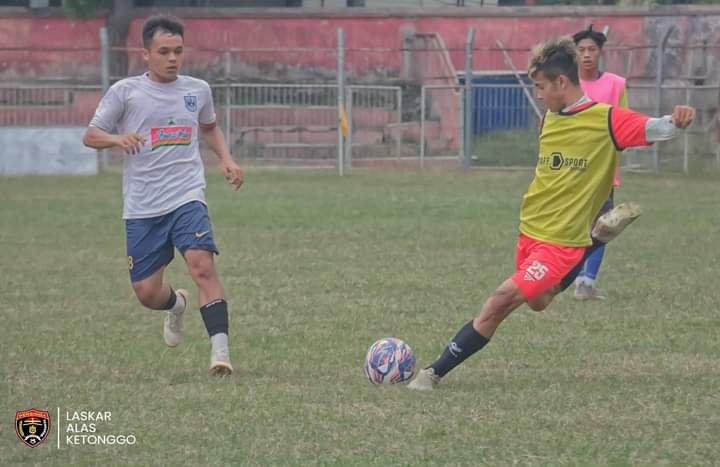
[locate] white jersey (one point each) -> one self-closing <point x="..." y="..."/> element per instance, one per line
<point x="168" y="171"/>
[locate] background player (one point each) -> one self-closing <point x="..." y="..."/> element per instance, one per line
<point x="608" y="88"/>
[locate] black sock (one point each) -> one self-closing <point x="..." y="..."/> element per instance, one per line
<point x="171" y="301"/>
<point x="465" y="343"/>
<point x="568" y="280"/>
<point x="215" y="317"/>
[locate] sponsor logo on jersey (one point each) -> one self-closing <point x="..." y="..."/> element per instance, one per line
<point x="557" y="161"/>
<point x="171" y="136"/>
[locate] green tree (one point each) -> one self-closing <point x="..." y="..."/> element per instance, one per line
<point x="83" y="9"/>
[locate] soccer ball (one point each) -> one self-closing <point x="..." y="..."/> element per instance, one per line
<point x="389" y="361"/>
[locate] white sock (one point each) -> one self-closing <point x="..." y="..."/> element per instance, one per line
<point x="584" y="280"/>
<point x="179" y="304"/>
<point x="219" y="341"/>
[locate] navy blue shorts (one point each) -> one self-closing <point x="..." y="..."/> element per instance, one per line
<point x="151" y="242"/>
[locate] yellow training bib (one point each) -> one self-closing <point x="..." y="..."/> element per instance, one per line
<point x="573" y="179"/>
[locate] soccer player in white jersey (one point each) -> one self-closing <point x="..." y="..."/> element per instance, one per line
<point x="156" y="119"/>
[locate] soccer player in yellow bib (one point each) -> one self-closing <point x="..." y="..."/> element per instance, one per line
<point x="577" y="158"/>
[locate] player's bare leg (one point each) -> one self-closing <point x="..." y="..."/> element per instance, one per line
<point x="497" y="307"/>
<point x="213" y="308"/>
<point x="153" y="293"/>
<point x="475" y="334"/>
<point x="544" y="300"/>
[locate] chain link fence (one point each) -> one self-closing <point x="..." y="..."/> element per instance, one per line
<point x="343" y="107"/>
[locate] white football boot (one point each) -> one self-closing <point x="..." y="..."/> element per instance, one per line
<point x="613" y="222"/>
<point x="585" y="291"/>
<point x="173" y="325"/>
<point x="426" y="380"/>
<point x="220" y="362"/>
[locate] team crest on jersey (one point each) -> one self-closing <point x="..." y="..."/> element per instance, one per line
<point x="191" y="103"/>
<point x="32" y="426"/>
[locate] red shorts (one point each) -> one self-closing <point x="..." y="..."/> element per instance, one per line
<point x="541" y="266"/>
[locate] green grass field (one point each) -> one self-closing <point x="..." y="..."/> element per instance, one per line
<point x="317" y="268"/>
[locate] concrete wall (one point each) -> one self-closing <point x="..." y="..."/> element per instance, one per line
<point x="261" y="39"/>
<point x="45" y="151"/>
<point x="41" y="48"/>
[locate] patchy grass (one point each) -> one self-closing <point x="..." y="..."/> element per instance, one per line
<point x="317" y="268"/>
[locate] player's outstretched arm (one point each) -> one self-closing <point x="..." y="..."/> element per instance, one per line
<point x="665" y="128"/>
<point x="214" y="137"/>
<point x="632" y="129"/>
<point x="98" y="139"/>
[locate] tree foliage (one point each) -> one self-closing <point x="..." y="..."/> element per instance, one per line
<point x="84" y="8"/>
